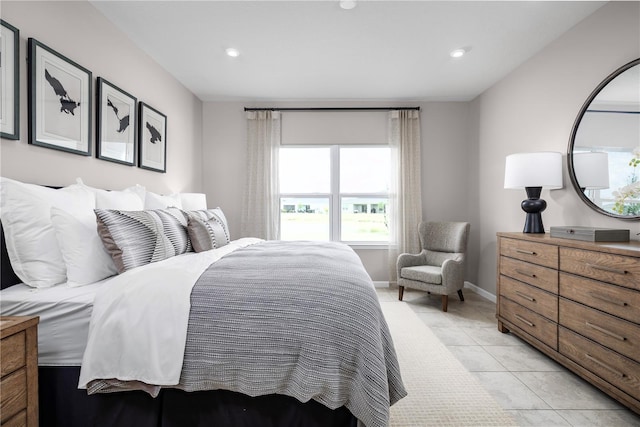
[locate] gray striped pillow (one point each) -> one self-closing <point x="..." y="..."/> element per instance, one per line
<point x="136" y="238"/>
<point x="208" y="229"/>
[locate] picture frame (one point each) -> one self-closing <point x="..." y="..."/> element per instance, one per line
<point x="116" y="132"/>
<point x="60" y="98"/>
<point x="10" y="81"/>
<point x="152" y="139"/>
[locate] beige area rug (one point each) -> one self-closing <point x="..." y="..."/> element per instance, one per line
<point x="441" y="391"/>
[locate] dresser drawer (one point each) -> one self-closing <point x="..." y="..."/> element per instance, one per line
<point x="537" y="253"/>
<point x="612" y="332"/>
<point x="542" y="277"/>
<point x="618" y="269"/>
<point x="533" y="298"/>
<point x="13" y="353"/>
<point x="612" y="299"/>
<point x="535" y="325"/>
<point x="613" y="368"/>
<point x="18" y="420"/>
<point x="13" y="394"/>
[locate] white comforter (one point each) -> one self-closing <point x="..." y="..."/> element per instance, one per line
<point x="138" y="335"/>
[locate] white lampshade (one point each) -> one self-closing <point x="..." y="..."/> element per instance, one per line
<point x="592" y="170"/>
<point x="541" y="169"/>
<point x="193" y="201"/>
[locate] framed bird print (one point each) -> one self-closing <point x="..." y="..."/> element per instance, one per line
<point x="10" y="75"/>
<point x="59" y="101"/>
<point x="152" y="129"/>
<point x="116" y="135"/>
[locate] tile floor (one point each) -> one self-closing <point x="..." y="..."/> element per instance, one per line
<point x="534" y="389"/>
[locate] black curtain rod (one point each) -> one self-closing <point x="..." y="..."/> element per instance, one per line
<point x="333" y="109"/>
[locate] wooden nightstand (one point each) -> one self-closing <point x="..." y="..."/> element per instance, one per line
<point x="19" y="369"/>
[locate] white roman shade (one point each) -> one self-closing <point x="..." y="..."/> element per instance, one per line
<point x="334" y="127"/>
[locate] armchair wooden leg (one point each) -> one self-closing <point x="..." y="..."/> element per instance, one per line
<point x="445" y="302"/>
<point x="460" y="295"/>
<point x="400" y="292"/>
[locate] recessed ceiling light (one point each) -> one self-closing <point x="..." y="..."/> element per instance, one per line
<point x="459" y="53"/>
<point x="347" y="4"/>
<point x="232" y="52"/>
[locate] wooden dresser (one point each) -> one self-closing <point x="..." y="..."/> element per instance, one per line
<point x="19" y="366"/>
<point x="579" y="303"/>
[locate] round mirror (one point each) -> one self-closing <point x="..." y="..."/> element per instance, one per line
<point x="604" y="148"/>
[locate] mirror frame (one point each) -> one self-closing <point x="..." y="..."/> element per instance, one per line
<point x="574" y="131"/>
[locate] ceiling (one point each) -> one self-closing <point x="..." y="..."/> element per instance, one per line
<point x="315" y="50"/>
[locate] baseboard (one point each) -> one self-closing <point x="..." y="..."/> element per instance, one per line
<point x="478" y="290"/>
<point x="381" y="284"/>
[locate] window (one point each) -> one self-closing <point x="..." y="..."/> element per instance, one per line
<point x="334" y="193"/>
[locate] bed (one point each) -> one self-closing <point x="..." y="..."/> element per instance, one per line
<point x="275" y="334"/>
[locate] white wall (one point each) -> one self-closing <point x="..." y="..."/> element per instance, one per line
<point x="533" y="109"/>
<point x="445" y="172"/>
<point x="78" y="31"/>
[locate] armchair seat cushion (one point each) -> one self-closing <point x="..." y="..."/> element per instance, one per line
<point x="423" y="273"/>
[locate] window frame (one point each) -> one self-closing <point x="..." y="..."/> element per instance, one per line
<point x="335" y="197"/>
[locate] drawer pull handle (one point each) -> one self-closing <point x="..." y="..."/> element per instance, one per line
<point x="605" y="331"/>
<point x="606" y="298"/>
<point x="522" y="319"/>
<point x="604" y="365"/>
<point x="525" y="296"/>
<point x="609" y="269"/>
<point x="525" y="273"/>
<point x="522" y="251"/>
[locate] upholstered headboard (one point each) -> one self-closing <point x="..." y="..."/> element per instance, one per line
<point x="9" y="277"/>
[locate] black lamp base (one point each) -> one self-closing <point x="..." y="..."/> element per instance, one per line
<point x="533" y="206"/>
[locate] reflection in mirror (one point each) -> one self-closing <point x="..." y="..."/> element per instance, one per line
<point x="604" y="150"/>
<point x="592" y="169"/>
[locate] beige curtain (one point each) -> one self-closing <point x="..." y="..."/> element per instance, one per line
<point x="405" y="193"/>
<point x="261" y="205"/>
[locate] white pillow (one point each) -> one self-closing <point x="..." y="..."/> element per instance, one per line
<point x="157" y="201"/>
<point x="85" y="256"/>
<point x="130" y="199"/>
<point x="193" y="201"/>
<point x="26" y="219"/>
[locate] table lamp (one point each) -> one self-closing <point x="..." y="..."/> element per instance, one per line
<point x="533" y="171"/>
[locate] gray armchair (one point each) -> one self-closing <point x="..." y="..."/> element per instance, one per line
<point x="440" y="267"/>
